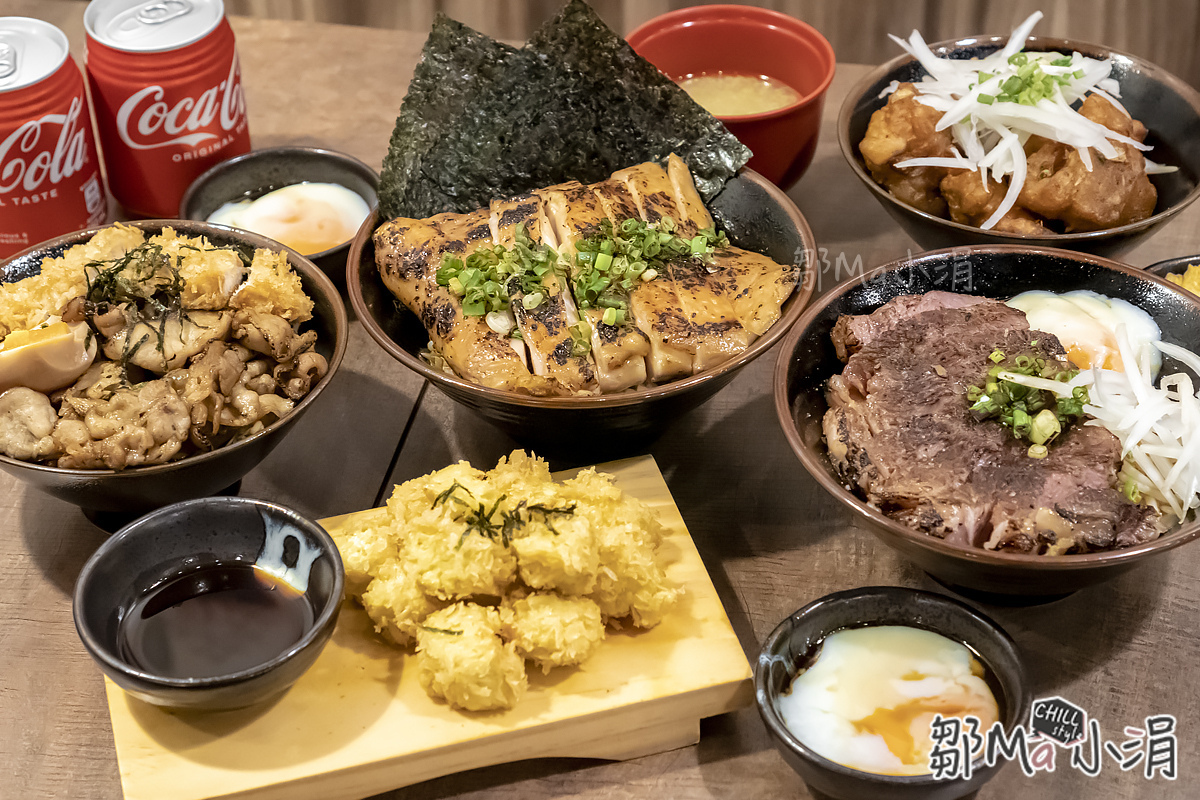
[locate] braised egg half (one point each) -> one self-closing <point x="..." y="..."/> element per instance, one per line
<point x="46" y="358"/>
<point x="307" y="217"/>
<point x="868" y="700"/>
<point x="1086" y="324"/>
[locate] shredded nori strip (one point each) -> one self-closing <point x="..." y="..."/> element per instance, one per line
<point x="482" y="120"/>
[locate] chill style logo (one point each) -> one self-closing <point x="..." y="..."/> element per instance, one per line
<point x="960" y="745"/>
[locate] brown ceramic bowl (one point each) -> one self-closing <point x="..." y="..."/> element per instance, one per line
<point x="140" y="489"/>
<point x="1168" y="106"/>
<point x="756" y="215"/>
<point x="807" y="359"/>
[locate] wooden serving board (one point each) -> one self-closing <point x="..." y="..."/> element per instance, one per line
<point x="358" y="723"/>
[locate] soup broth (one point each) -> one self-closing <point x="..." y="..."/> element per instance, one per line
<point x="731" y="95"/>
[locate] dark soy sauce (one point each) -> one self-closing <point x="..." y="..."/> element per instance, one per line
<point x="214" y="620"/>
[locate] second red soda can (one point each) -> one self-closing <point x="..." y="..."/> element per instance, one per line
<point x="167" y="94"/>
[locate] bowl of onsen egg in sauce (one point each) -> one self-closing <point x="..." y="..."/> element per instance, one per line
<point x="311" y="199"/>
<point x="762" y="73"/>
<point x="849" y="687"/>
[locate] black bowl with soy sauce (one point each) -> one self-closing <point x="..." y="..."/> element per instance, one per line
<point x="796" y="642"/>
<point x="210" y="604"/>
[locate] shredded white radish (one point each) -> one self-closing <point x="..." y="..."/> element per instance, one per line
<point x="994" y="104"/>
<point x="1062" y="389"/>
<point x="1158" y="426"/>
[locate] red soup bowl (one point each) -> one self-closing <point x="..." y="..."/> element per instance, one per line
<point x="743" y="40"/>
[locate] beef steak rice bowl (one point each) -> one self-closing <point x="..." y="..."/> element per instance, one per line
<point x="998" y="454"/>
<point x="900" y="429"/>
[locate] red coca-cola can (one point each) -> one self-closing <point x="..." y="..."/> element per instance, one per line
<point x="49" y="172"/>
<point x="167" y="94"/>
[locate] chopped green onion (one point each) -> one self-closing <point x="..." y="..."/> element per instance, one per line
<point x="581" y="338"/>
<point x="1045" y="427"/>
<point x="609" y="263"/>
<point x="1034" y="415"/>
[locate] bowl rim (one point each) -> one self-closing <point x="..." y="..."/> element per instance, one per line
<point x="1174" y="266"/>
<point x="800" y="298"/>
<point x="764" y="698"/>
<point x="892" y="531"/>
<point x="1037" y="43"/>
<point x="305" y="151"/>
<point x="145" y="524"/>
<point x="302" y="264"/>
<point x="722" y="12"/>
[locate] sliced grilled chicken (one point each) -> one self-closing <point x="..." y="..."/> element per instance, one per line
<point x="758" y="286"/>
<point x="654" y="196"/>
<point x="755" y="285"/>
<point x="546" y="328"/>
<point x="687" y="199"/>
<point x="691" y="316"/>
<point x="653" y="304"/>
<point x="710" y="328"/>
<point x="409" y="253"/>
<point x="620" y="351"/>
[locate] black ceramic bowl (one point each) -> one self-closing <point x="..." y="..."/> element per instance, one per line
<point x="140" y="489"/>
<point x="1169" y="107"/>
<point x="180" y="539"/>
<point x="794" y="641"/>
<point x="1174" y="266"/>
<point x="807" y="359"/>
<point x="756" y="215"/>
<point x="253" y="174"/>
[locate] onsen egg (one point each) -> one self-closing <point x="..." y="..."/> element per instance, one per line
<point x="1086" y="324"/>
<point x="46" y="358"/>
<point x="868" y="700"/>
<point x="307" y="217"/>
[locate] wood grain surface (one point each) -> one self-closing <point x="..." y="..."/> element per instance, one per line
<point x="359" y="720"/>
<point x="770" y="538"/>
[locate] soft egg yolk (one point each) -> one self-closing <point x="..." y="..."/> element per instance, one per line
<point x="46" y="358"/>
<point x="307" y="225"/>
<point x="307" y="217"/>
<point x="1105" y="352"/>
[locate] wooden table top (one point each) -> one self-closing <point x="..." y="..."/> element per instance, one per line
<point x="771" y="538"/>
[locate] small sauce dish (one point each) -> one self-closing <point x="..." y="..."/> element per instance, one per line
<point x="210" y="604"/>
<point x="794" y="644"/>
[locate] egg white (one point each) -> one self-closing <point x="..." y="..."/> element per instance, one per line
<point x="308" y="217"/>
<point x="1086" y="324"/>
<point x="862" y="670"/>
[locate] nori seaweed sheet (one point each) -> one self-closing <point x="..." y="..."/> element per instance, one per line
<point x="457" y="64"/>
<point x="482" y="120"/>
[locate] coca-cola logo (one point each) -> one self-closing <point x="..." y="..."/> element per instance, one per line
<point x="145" y="118"/>
<point x="27" y="160"/>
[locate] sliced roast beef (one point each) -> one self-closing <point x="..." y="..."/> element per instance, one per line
<point x="852" y="331"/>
<point x="899" y="431"/>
